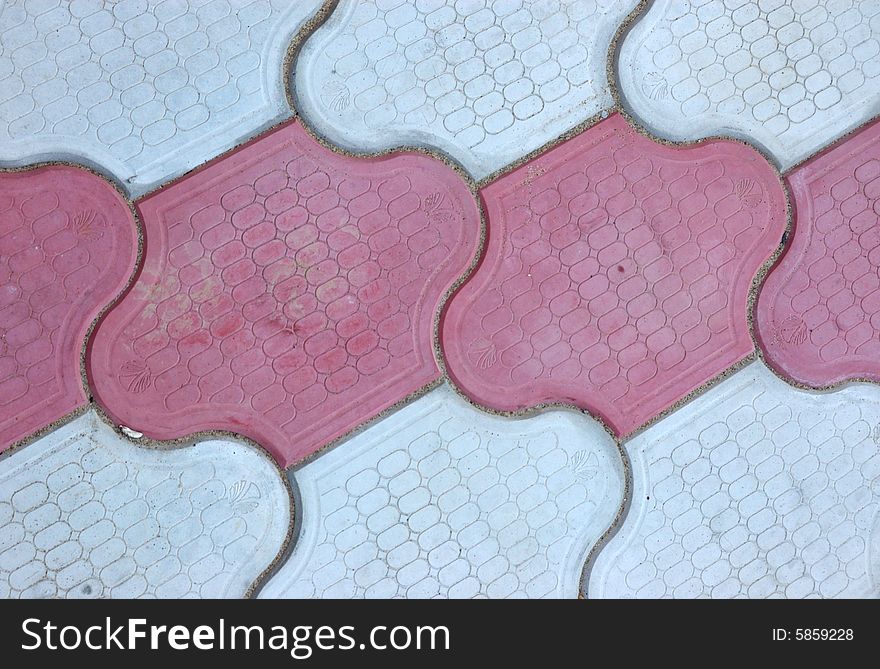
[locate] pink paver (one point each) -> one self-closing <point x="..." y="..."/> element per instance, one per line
<point x="818" y="313"/>
<point x="68" y="245"/>
<point x="616" y="275"/>
<point x="288" y="294"/>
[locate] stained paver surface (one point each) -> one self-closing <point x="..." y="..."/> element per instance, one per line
<point x="288" y="294"/>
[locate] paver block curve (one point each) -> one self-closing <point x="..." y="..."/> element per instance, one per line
<point x="68" y="246"/>
<point x="485" y="81"/>
<point x="616" y="275"/>
<point x="755" y="489"/>
<point x="441" y="500"/>
<point x="288" y="294"/>
<point x="792" y="76"/>
<point x="818" y="313"/>
<point x="146" y="89"/>
<point x="85" y="513"/>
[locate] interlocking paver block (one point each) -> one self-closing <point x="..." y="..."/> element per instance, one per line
<point x="818" y="316"/>
<point x="288" y="294"/>
<point x="146" y="89"/>
<point x="85" y="513"/>
<point x="68" y="246"/>
<point x="442" y="500"/>
<point x="755" y="489"/>
<point x="790" y="75"/>
<point x="616" y="275"/>
<point x="485" y="81"/>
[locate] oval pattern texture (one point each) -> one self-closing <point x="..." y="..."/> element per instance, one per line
<point x="486" y="81"/>
<point x="288" y="294"/>
<point x="68" y="245"/>
<point x="85" y="513"/>
<point x="616" y="275"/>
<point x="147" y="89"/>
<point x="818" y="315"/>
<point x="440" y="500"/>
<point x="755" y="489"/>
<point x="791" y="76"/>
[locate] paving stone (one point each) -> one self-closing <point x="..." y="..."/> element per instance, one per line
<point x="790" y="76"/>
<point x="485" y="81"/>
<point x="288" y="294"/>
<point x="756" y="489"/>
<point x="440" y="500"/>
<point x="86" y="513"/>
<point x="146" y="89"/>
<point x="68" y="246"/>
<point x="818" y="316"/>
<point x="616" y="275"/>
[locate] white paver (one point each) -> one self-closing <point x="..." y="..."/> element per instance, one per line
<point x="484" y="81"/>
<point x="756" y="489"/>
<point x="85" y="513"/>
<point x="440" y="500"/>
<point x="790" y="75"/>
<point x="146" y="89"/>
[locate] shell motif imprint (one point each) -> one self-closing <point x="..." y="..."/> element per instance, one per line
<point x="749" y="192"/>
<point x="244" y="496"/>
<point x="486" y="353"/>
<point x="655" y="86"/>
<point x="336" y="96"/>
<point x="435" y="207"/>
<point x="87" y="225"/>
<point x="137" y="376"/>
<point x="792" y="330"/>
<point x="584" y="465"/>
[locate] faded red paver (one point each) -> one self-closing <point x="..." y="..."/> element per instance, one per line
<point x="288" y="294"/>
<point x="818" y="314"/>
<point x="616" y="275"/>
<point x="68" y="245"/>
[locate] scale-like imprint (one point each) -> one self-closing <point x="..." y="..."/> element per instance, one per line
<point x="288" y="294"/>
<point x="68" y="245"/>
<point x="440" y="500"/>
<point x="818" y="316"/>
<point x="146" y="89"/>
<point x="485" y="81"/>
<point x="790" y="76"/>
<point x="616" y="275"/>
<point x="755" y="489"/>
<point x="85" y="513"/>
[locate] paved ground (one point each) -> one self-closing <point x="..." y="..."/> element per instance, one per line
<point x="423" y="298"/>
